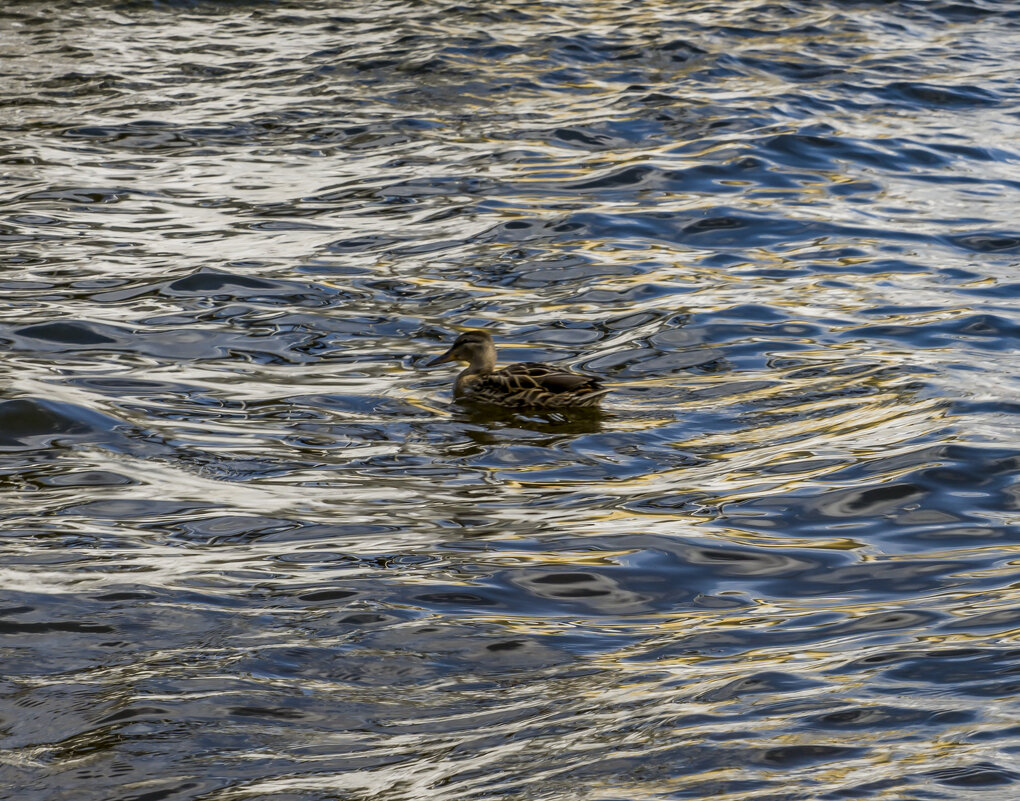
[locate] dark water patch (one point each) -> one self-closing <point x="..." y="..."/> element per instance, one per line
<point x="978" y="774"/>
<point x="227" y="528"/>
<point x="864" y="718"/>
<point x="990" y="242"/>
<point x="799" y="755"/>
<point x="362" y="244"/>
<point x="328" y="595"/>
<point x="211" y="284"/>
<point x="31" y="423"/>
<point x="86" y="478"/>
<point x="819" y="151"/>
<point x="928" y="95"/>
<point x="9" y="628"/>
<point x="77" y="334"/>
<point x="803" y="69"/>
<point x="133" y="509"/>
<point x="758" y="684"/>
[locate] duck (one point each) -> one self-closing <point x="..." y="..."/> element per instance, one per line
<point x="520" y="385"/>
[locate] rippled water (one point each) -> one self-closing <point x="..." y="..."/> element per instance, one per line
<point x="252" y="550"/>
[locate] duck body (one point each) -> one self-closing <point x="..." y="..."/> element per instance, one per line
<point x="521" y="385"/>
<point x="530" y="384"/>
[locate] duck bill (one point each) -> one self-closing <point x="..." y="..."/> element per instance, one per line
<point x="446" y="357"/>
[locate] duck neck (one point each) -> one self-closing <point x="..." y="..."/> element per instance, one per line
<point x="483" y="360"/>
<point x="482" y="363"/>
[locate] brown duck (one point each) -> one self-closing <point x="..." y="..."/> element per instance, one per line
<point x="526" y="384"/>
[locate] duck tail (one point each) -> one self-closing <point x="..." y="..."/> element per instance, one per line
<point x="592" y="398"/>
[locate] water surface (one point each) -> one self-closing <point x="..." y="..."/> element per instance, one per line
<point x="253" y="551"/>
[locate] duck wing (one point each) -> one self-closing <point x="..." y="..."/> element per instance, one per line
<point x="538" y="385"/>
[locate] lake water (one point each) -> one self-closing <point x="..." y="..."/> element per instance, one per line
<point x="253" y="551"/>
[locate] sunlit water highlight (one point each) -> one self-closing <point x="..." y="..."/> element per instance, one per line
<point x="252" y="550"/>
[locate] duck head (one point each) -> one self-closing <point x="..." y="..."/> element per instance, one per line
<point x="474" y="347"/>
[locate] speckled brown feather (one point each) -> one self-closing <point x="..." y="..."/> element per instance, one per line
<point x="533" y="385"/>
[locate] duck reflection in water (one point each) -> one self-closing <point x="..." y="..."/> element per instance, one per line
<point x="525" y="385"/>
<point x="492" y="425"/>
